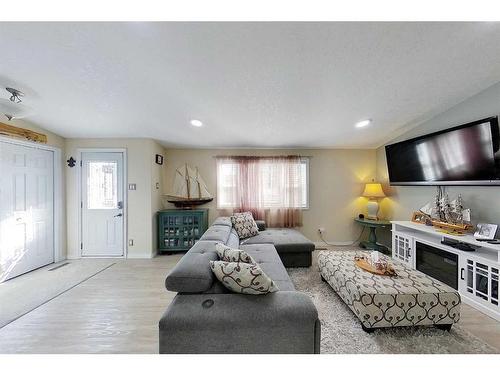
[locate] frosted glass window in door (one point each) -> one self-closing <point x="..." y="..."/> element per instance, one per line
<point x="102" y="185"/>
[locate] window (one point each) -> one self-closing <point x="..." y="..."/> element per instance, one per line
<point x="227" y="183"/>
<point x="267" y="183"/>
<point x="102" y="185"/>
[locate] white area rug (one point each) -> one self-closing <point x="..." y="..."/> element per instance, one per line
<point x="26" y="292"/>
<point x="341" y="331"/>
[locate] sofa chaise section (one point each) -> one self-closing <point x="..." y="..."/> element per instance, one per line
<point x="294" y="249"/>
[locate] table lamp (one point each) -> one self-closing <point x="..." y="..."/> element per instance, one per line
<point x="373" y="190"/>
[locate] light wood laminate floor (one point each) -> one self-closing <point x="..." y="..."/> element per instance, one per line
<point x="117" y="311"/>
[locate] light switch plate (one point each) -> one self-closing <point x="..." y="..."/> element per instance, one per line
<point x="132" y="186"/>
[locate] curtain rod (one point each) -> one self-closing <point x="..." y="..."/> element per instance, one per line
<point x="260" y="156"/>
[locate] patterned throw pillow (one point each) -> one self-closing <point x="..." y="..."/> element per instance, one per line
<point x="228" y="254"/>
<point x="245" y="225"/>
<point x="243" y="278"/>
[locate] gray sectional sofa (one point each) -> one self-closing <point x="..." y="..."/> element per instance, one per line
<point x="205" y="317"/>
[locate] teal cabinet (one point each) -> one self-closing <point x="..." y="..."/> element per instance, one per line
<point x="178" y="230"/>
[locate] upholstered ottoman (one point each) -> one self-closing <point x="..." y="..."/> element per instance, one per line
<point x="411" y="298"/>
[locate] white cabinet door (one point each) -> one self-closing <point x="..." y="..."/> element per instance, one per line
<point x="26" y="209"/>
<point x="479" y="281"/>
<point x="464" y="278"/>
<point x="403" y="248"/>
<point x="102" y="204"/>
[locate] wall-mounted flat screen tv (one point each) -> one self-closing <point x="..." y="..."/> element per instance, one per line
<point x="464" y="155"/>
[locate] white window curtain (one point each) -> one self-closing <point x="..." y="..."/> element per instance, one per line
<point x="272" y="188"/>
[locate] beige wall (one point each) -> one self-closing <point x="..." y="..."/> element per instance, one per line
<point x="483" y="200"/>
<point x="336" y="182"/>
<point x="143" y="203"/>
<point x="141" y="209"/>
<point x="157" y="173"/>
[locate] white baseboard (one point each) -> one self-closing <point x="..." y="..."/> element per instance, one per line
<point x="322" y="244"/>
<point x="129" y="256"/>
<point x="135" y="255"/>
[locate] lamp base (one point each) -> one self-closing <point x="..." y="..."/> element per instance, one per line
<point x="372" y="210"/>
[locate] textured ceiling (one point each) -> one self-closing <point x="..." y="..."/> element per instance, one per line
<point x="252" y="84"/>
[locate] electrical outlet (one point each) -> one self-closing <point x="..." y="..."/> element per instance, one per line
<point x="321" y="230"/>
<point x="131" y="242"/>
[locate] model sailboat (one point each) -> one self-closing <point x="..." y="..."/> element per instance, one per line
<point x="189" y="188"/>
<point x="446" y="215"/>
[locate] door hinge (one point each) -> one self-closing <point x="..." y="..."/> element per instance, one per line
<point x="81" y="245"/>
<point x="81" y="204"/>
<point x="81" y="164"/>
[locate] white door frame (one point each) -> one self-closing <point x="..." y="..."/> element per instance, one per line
<point x="58" y="190"/>
<point x="79" y="152"/>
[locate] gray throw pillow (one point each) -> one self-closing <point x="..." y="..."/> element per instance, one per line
<point x="245" y="225"/>
<point x="243" y="278"/>
<point x="228" y="254"/>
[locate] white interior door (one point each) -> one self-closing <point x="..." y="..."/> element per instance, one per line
<point x="26" y="209"/>
<point x="102" y="204"/>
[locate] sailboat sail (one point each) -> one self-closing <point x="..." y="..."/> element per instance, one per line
<point x="428" y="209"/>
<point x="192" y="183"/>
<point x="201" y="186"/>
<point x="180" y="186"/>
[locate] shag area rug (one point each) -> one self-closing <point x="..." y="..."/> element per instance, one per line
<point x="341" y="331"/>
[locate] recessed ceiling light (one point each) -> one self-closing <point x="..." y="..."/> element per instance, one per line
<point x="196" y="123"/>
<point x="362" y="124"/>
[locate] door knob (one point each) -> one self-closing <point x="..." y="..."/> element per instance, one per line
<point x="118" y="215"/>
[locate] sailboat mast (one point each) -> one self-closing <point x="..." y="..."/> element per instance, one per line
<point x="198" y="183"/>
<point x="187" y="182"/>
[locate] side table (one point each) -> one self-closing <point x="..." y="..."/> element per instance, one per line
<point x="372" y="244"/>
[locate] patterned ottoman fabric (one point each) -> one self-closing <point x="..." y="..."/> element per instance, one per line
<point x="408" y="299"/>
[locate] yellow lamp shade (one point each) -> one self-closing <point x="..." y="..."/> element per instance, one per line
<point x="373" y="190"/>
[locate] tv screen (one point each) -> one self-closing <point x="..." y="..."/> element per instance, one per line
<point x="464" y="155"/>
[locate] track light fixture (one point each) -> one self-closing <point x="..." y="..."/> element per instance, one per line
<point x="13" y="107"/>
<point x="16" y="95"/>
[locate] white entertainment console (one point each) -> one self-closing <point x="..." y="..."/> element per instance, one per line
<point x="478" y="271"/>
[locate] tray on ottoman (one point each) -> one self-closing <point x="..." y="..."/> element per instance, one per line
<point x="411" y="298"/>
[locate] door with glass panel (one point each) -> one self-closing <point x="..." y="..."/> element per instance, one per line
<point x="102" y="204"/>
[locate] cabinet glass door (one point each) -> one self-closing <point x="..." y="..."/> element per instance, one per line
<point x="402" y="249"/>
<point x="481" y="282"/>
